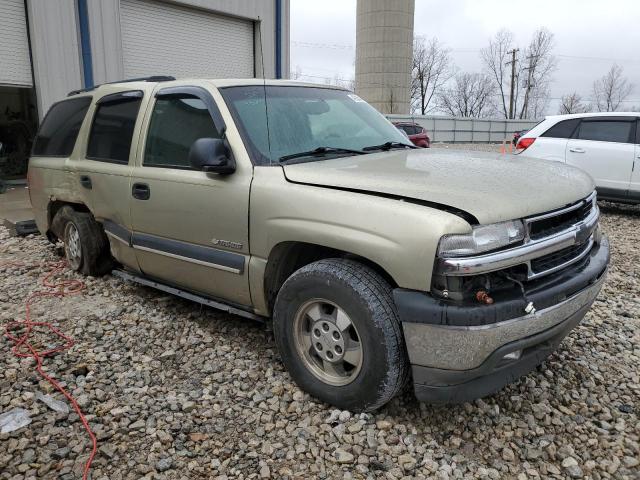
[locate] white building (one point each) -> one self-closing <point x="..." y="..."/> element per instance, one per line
<point x="50" y="47"/>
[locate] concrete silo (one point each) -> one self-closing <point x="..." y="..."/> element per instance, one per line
<point x="384" y="50"/>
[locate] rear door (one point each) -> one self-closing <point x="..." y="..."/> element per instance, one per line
<point x="552" y="144"/>
<point x="104" y="173"/>
<point x="603" y="147"/>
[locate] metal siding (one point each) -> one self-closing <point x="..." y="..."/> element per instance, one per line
<point x="166" y="39"/>
<point x="55" y="49"/>
<point x="106" y="41"/>
<point x="14" y="45"/>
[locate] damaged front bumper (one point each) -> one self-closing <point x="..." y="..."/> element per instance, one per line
<point x="460" y="353"/>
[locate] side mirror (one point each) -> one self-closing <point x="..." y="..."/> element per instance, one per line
<point x="211" y="155"/>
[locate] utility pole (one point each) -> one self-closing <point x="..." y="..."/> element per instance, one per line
<point x="513" y="78"/>
<point x="530" y="69"/>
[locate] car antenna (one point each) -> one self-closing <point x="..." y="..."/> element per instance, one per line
<point x="264" y="88"/>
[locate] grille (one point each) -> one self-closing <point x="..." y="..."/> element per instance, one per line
<point x="546" y="227"/>
<point x="555" y="259"/>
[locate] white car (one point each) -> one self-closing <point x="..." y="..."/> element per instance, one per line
<point x="605" y="145"/>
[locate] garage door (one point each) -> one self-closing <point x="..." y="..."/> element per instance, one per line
<point x="164" y="39"/>
<point x="15" y="65"/>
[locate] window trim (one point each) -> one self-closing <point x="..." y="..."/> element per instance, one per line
<point x="204" y="95"/>
<point x="624" y="119"/>
<point x="32" y="154"/>
<point x="194" y="91"/>
<point x="113" y="98"/>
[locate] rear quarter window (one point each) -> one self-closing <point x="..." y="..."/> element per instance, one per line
<point x="563" y="129"/>
<point x="59" y="130"/>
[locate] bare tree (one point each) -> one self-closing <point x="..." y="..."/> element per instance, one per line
<point x="540" y="65"/>
<point x="532" y="72"/>
<point x="495" y="57"/>
<point x="610" y="91"/>
<point x="470" y="95"/>
<point x="572" y="103"/>
<point x="430" y="71"/>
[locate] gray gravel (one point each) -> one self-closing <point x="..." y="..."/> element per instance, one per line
<point x="177" y="391"/>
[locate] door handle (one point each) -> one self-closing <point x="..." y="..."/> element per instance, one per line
<point x="85" y="181"/>
<point x="141" y="191"/>
<point x="577" y="150"/>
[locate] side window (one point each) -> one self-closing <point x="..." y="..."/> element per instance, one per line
<point x="563" y="129"/>
<point x="638" y="132"/>
<point x="176" y="122"/>
<point x="606" y="131"/>
<point x="112" y="128"/>
<point x="59" y="129"/>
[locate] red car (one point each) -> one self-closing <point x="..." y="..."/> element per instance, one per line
<point x="415" y="132"/>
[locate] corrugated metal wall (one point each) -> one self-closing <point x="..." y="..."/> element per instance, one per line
<point x="15" y="65"/>
<point x="466" y="130"/>
<point x="56" y="48"/>
<point x="165" y="39"/>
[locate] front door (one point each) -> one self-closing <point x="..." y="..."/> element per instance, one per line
<point x="603" y="148"/>
<point x="190" y="228"/>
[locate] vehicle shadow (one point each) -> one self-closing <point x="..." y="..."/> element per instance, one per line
<point x="619" y="209"/>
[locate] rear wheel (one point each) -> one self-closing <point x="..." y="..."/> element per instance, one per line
<point x="85" y="244"/>
<point x="339" y="336"/>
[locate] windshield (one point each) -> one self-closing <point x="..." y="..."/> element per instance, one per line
<point x="303" y="119"/>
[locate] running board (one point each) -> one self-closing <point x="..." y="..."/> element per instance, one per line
<point x="127" y="276"/>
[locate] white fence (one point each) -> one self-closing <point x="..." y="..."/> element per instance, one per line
<point x="466" y="130"/>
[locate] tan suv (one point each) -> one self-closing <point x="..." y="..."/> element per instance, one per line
<point x="377" y="262"/>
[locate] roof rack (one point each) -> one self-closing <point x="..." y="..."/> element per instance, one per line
<point x="152" y="78"/>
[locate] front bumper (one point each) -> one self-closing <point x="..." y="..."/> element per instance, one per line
<point x="457" y="358"/>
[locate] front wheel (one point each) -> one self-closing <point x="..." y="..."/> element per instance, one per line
<point x="339" y="336"/>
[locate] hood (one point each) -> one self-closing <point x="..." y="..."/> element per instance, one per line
<point x="491" y="187"/>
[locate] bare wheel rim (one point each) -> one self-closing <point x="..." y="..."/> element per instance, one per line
<point x="328" y="342"/>
<point x="72" y="246"/>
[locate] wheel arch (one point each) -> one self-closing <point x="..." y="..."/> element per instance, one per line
<point x="288" y="256"/>
<point x="53" y="233"/>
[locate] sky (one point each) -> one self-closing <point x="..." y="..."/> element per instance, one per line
<point x="589" y="35"/>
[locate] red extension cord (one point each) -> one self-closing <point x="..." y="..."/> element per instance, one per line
<point x="24" y="349"/>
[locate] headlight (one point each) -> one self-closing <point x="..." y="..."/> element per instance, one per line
<point x="483" y="238"/>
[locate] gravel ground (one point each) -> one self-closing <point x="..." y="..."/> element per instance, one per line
<point x="176" y="391"/>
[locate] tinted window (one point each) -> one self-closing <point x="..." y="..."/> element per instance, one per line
<point x="112" y="130"/>
<point x="563" y="129"/>
<point x="606" y="131"/>
<point x="59" y="130"/>
<point x="176" y="122"/>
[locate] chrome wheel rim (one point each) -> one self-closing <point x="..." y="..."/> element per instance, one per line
<point x="72" y="246"/>
<point x="328" y="342"/>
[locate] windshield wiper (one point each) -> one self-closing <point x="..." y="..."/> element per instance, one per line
<point x="388" y="146"/>
<point x="319" y="151"/>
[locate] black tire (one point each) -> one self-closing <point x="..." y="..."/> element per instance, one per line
<point x="367" y="299"/>
<point x="95" y="256"/>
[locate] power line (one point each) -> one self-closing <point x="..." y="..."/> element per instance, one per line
<point x="347" y="46"/>
<point x="347" y="80"/>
